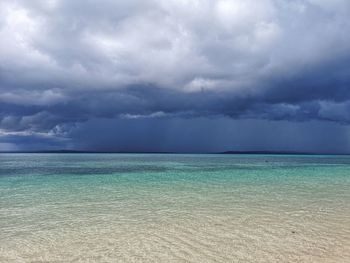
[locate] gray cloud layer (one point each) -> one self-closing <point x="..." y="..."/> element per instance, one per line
<point x="64" y="63"/>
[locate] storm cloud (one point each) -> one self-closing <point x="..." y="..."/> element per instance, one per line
<point x="66" y="65"/>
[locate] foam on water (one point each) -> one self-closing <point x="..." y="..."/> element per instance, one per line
<point x="179" y="208"/>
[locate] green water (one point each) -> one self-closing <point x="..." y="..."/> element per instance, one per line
<point x="146" y="208"/>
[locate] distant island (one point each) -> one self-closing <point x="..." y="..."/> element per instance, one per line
<point x="269" y="152"/>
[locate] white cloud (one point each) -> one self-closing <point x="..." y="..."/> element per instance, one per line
<point x="46" y="97"/>
<point x="166" y="43"/>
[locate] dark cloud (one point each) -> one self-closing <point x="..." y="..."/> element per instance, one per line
<point x="210" y="135"/>
<point x="67" y="64"/>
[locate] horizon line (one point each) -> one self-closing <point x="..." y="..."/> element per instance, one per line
<point x="252" y="152"/>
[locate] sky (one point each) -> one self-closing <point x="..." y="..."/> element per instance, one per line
<point x="175" y="75"/>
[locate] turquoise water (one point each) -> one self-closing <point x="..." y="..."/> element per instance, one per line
<point x="177" y="208"/>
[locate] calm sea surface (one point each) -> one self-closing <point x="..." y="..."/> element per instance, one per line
<point x="174" y="208"/>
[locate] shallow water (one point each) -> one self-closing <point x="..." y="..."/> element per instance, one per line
<point x="177" y="208"/>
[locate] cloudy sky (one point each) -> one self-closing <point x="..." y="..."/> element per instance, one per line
<point x="175" y="75"/>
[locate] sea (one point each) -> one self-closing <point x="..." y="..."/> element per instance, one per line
<point x="174" y="208"/>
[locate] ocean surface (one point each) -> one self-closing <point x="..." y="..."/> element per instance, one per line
<point x="174" y="208"/>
